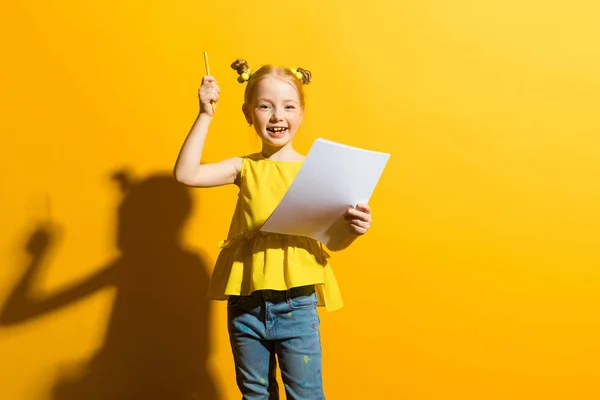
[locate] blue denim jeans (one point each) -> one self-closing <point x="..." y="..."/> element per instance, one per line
<point x="269" y="326"/>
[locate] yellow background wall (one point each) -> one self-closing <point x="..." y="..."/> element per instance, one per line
<point x="480" y="278"/>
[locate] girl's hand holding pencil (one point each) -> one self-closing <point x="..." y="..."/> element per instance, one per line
<point x="208" y="95"/>
<point x="208" y="92"/>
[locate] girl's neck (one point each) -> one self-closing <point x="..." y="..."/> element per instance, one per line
<point x="284" y="153"/>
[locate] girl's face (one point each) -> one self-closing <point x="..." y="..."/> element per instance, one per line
<point x="275" y="112"/>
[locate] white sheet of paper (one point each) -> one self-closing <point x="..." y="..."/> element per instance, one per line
<point x="333" y="177"/>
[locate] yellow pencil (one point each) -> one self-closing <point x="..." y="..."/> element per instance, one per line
<point x="208" y="73"/>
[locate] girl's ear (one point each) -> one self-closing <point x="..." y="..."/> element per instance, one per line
<point x="247" y="113"/>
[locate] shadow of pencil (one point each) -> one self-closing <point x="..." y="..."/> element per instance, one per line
<point x="156" y="344"/>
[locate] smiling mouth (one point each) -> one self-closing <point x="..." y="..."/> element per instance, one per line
<point x="277" y="131"/>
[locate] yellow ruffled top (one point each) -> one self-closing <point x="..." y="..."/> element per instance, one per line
<point x="254" y="260"/>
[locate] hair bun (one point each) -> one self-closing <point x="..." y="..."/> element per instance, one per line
<point x="306" y="75"/>
<point x="124" y="179"/>
<point x="241" y="67"/>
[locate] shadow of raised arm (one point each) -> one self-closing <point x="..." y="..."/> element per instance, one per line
<point x="21" y="303"/>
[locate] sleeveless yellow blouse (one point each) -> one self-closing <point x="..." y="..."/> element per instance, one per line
<point x="254" y="260"/>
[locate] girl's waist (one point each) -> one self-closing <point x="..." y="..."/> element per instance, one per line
<point x="250" y="235"/>
<point x="273" y="295"/>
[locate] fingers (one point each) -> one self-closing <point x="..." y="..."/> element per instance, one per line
<point x="356" y="213"/>
<point x="358" y="227"/>
<point x="359" y="219"/>
<point x="359" y="224"/>
<point x="210" y="82"/>
<point x="207" y="99"/>
<point x="208" y="79"/>
<point x="208" y="94"/>
<point x="209" y="89"/>
<point x="364" y="208"/>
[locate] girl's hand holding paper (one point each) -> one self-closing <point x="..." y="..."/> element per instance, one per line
<point x="359" y="219"/>
<point x="332" y="177"/>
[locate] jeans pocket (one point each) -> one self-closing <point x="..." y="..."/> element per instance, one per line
<point x="300" y="302"/>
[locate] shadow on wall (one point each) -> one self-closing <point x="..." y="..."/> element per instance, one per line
<point x="157" y="340"/>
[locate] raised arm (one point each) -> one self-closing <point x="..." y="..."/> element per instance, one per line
<point x="188" y="169"/>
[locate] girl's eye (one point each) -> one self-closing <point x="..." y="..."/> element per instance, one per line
<point x="290" y="107"/>
<point x="263" y="106"/>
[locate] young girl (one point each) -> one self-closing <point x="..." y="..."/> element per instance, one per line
<point x="273" y="282"/>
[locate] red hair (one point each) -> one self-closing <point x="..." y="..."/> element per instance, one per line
<point x="241" y="66"/>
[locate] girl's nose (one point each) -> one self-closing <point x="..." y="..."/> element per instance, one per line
<point x="276" y="116"/>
